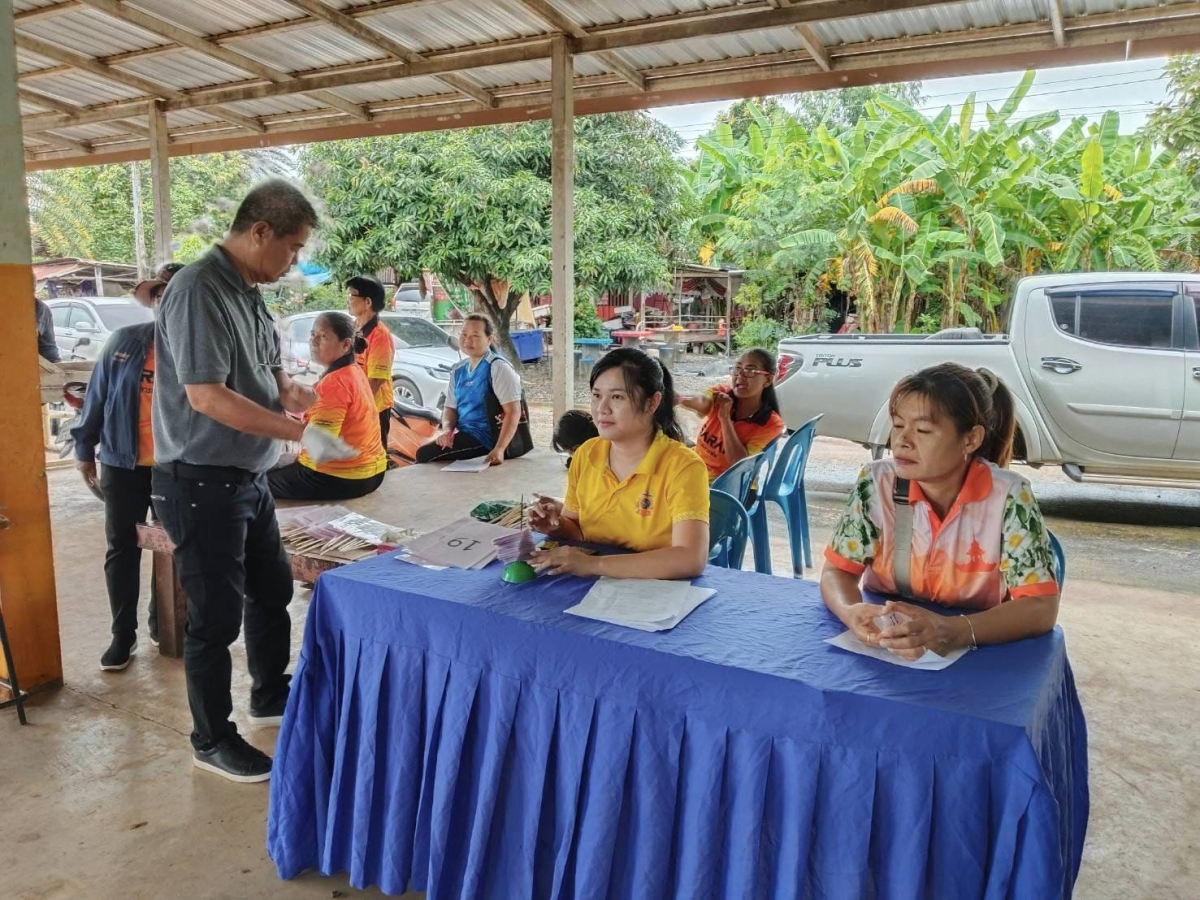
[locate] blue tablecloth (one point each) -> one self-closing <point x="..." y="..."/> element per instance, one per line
<point x="455" y="734"/>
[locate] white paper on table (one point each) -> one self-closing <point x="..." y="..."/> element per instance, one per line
<point x="930" y="662"/>
<point x="368" y="530"/>
<point x="405" y="556"/>
<point x="465" y="544"/>
<point x="480" y="464"/>
<point x="644" y="604"/>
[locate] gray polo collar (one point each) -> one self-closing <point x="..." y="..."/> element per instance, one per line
<point x="220" y="261"/>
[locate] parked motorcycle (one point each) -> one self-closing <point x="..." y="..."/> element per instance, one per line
<point x="74" y="393"/>
<point x="411" y="427"/>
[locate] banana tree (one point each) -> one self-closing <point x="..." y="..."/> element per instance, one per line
<point x="1111" y="202"/>
<point x="977" y="172"/>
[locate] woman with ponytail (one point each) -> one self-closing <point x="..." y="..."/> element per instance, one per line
<point x="345" y="408"/>
<point x="635" y="486"/>
<point x="741" y="418"/>
<point x="978" y="541"/>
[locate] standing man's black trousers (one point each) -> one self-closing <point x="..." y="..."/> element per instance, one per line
<point x="232" y="565"/>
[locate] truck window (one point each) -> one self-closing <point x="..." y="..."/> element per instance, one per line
<point x="1124" y="318"/>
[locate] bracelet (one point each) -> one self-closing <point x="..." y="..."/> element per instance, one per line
<point x="974" y="643"/>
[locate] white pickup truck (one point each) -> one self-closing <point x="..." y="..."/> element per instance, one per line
<point x="1104" y="369"/>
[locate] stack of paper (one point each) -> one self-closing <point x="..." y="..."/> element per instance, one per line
<point x="929" y="661"/>
<point x="468" y="465"/>
<point x="465" y="544"/>
<point x="644" y="604"/>
<point x="514" y="546"/>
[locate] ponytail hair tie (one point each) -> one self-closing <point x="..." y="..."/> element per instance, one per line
<point x="990" y="380"/>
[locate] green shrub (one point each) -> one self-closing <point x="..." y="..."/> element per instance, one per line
<point x="587" y="323"/>
<point x="760" y="332"/>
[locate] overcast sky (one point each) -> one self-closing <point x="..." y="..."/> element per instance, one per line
<point x="1131" y="88"/>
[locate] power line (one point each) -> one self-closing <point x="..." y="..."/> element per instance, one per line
<point x="1004" y="92"/>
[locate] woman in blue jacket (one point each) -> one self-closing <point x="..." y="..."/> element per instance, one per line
<point x="116" y="415"/>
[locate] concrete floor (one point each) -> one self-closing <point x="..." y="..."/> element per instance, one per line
<point x="100" y="798"/>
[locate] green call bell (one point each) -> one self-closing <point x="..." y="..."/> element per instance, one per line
<point x="518" y="572"/>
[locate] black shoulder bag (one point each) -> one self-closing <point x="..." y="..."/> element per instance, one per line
<point x="522" y="441"/>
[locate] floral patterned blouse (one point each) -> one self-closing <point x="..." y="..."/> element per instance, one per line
<point x="992" y="545"/>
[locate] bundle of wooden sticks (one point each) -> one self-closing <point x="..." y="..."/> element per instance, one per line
<point x="299" y="538"/>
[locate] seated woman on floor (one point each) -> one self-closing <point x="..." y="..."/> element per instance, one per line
<point x="741" y="418"/>
<point x="635" y="486"/>
<point x="466" y="426"/>
<point x="978" y="541"/>
<point x="345" y="408"/>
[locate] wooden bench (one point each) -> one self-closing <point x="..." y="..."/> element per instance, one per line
<point x="172" y="602"/>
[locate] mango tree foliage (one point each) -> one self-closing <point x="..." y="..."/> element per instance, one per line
<point x="88" y="212"/>
<point x="473" y="206"/>
<point x="924" y="222"/>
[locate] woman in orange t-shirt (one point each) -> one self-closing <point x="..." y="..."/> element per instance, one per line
<point x="345" y="408"/>
<point x="741" y="418"/>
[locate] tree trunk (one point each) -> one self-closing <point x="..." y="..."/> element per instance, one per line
<point x="139" y="231"/>
<point x="909" y="310"/>
<point x="501" y="313"/>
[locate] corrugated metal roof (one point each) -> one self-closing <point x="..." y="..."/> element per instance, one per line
<point x="186" y="69"/>
<point x="310" y="47"/>
<point x="394" y="90"/>
<point x="607" y="12"/>
<point x="220" y="16"/>
<point x="89" y="32"/>
<point x="433" y="27"/>
<point x="23" y="5"/>
<point x="84" y="89"/>
<point x="454" y="24"/>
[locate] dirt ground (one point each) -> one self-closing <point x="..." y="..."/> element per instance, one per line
<point x="100" y="799"/>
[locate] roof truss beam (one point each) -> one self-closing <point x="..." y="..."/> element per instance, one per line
<point x="159" y="27"/>
<point x="809" y="39"/>
<point x="1140" y="24"/>
<point x="447" y="63"/>
<point x="153" y="89"/>
<point x="560" y="21"/>
<point x="359" y="12"/>
<point x="1056" y="22"/>
<point x="365" y="34"/>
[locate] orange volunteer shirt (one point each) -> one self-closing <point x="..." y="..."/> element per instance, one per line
<point x="993" y="543"/>
<point x="377" y="360"/>
<point x="754" y="433"/>
<point x="145" y="456"/>
<point x="345" y="408"/>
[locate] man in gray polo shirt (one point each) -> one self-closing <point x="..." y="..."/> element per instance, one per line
<point x="219" y="401"/>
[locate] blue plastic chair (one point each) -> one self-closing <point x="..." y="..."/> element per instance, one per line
<point x="744" y="481"/>
<point x="1060" y="560"/>
<point x="736" y="480"/>
<point x="728" y="530"/>
<point x="785" y="486"/>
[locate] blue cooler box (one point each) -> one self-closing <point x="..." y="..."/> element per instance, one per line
<point x="531" y="346"/>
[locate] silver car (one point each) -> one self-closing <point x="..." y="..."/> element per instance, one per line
<point x="82" y="325"/>
<point x="424" y="355"/>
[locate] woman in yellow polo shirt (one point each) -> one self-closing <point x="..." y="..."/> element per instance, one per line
<point x="345" y="408"/>
<point x="635" y="486"/>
